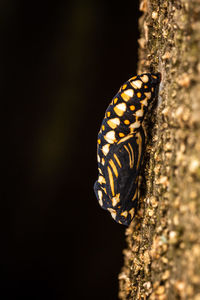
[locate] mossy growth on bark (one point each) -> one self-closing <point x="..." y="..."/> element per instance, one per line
<point x="162" y="258"/>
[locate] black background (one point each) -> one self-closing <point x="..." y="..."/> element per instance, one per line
<point x="62" y="63"/>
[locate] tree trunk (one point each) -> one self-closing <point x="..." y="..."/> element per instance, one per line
<point x="162" y="259"/>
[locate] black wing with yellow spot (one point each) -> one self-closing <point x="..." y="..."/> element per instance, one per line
<point x="120" y="147"/>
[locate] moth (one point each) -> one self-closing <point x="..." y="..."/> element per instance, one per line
<point x="120" y="147"/>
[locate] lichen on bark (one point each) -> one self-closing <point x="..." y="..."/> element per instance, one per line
<point x="162" y="258"/>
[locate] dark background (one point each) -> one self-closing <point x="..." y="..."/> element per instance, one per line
<point x="62" y="63"/>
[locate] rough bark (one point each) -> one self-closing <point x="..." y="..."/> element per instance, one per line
<point x="162" y="259"/>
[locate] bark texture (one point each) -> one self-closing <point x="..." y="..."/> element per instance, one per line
<point x="162" y="259"/>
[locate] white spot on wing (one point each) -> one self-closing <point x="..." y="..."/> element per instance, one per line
<point x="105" y="149"/>
<point x="139" y="113"/>
<point x="110" y="137"/>
<point x="116" y="121"/>
<point x="120" y="109"/>
<point x="145" y="78"/>
<point x="116" y="199"/>
<point x="101" y="179"/>
<point x="136" y="84"/>
<point x="148" y="95"/>
<point x="135" y="125"/>
<point x="113" y="213"/>
<point x="113" y="123"/>
<point x="121" y="106"/>
<point x="129" y="92"/>
<point x="144" y="102"/>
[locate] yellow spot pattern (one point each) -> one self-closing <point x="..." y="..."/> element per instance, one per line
<point x="127" y="122"/>
<point x="121" y="134"/>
